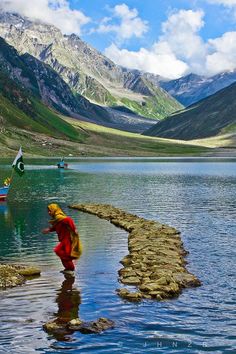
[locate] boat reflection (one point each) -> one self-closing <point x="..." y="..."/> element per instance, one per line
<point x="4" y="210"/>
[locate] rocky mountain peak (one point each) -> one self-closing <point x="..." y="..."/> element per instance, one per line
<point x="192" y="88"/>
<point x="23" y="23"/>
<point x="87" y="71"/>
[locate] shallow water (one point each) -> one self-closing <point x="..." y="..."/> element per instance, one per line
<point x="196" y="196"/>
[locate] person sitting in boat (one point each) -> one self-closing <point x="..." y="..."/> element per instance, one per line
<point x="7" y="182"/>
<point x="61" y="163"/>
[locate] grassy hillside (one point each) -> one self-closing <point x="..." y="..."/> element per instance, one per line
<point x="20" y="102"/>
<point x="207" y="118"/>
<point x="103" y="141"/>
<point x="41" y="119"/>
<point x="97" y="141"/>
<point x="19" y="110"/>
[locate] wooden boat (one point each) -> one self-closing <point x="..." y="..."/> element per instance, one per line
<point x="3" y="192"/>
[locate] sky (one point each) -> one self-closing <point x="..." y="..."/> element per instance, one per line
<point x="164" y="37"/>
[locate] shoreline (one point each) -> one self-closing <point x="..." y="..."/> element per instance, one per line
<point x="156" y="261"/>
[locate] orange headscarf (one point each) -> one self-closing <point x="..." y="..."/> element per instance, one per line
<point x="56" y="213"/>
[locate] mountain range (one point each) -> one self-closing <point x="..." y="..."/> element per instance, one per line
<point x="211" y="116"/>
<point x="45" y="76"/>
<point x="32" y="95"/>
<point x="192" y="88"/>
<point x="87" y="72"/>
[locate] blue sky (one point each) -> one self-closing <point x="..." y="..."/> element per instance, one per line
<point x="166" y="37"/>
<point x="218" y="19"/>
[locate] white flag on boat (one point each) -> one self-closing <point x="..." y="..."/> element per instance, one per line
<point x="18" y="163"/>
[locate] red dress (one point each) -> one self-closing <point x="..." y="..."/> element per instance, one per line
<point x="63" y="249"/>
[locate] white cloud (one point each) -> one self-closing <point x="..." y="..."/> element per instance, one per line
<point x="230" y="6"/>
<point x="162" y="63"/>
<point x="180" y="49"/>
<point x="125" y="22"/>
<point x="223" y="53"/>
<point x="180" y="32"/>
<point x="228" y="3"/>
<point x="56" y="12"/>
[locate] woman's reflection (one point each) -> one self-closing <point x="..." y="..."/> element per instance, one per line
<point x="68" y="300"/>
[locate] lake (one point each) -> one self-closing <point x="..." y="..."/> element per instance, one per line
<point x="197" y="196"/>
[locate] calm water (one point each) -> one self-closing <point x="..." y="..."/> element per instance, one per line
<point x="196" y="196"/>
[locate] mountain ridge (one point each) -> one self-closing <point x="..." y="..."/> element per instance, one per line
<point x="193" y="88"/>
<point x="206" y="118"/>
<point x="84" y="69"/>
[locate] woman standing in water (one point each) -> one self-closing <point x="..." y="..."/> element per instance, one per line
<point x="63" y="225"/>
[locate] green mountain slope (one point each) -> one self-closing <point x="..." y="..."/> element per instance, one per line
<point x="86" y="71"/>
<point x="45" y="83"/>
<point x="206" y="118"/>
<point x="28" y="113"/>
<point x="20" y="101"/>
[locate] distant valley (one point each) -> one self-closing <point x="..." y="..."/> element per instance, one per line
<point x="54" y="87"/>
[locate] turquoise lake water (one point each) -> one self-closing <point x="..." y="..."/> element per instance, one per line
<point x="197" y="196"/>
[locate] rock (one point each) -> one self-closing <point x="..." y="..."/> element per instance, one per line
<point x="130" y="280"/>
<point x="186" y="280"/>
<point x="122" y="292"/>
<point x="126" y="261"/>
<point x="53" y="325"/>
<point x="58" y="329"/>
<point x="75" y="322"/>
<point x="126" y="272"/>
<point x="163" y="281"/>
<point x="149" y="287"/>
<point x="97" y="326"/>
<point x="13" y="275"/>
<point x="27" y="270"/>
<point x="156" y="294"/>
<point x="132" y="296"/>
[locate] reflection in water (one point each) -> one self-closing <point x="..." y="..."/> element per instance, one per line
<point x="68" y="300"/>
<point x="19" y="228"/>
<point x="5" y="211"/>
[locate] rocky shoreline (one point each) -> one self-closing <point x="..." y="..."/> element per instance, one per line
<point x="156" y="263"/>
<point x="13" y="275"/>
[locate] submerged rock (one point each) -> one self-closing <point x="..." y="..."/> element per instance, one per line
<point x="59" y="328"/>
<point x="97" y="326"/>
<point x="13" y="275"/>
<point x="155" y="263"/>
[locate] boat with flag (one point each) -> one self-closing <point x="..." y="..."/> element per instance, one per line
<point x="18" y="166"/>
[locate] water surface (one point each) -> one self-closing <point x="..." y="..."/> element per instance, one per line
<point x="197" y="196"/>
